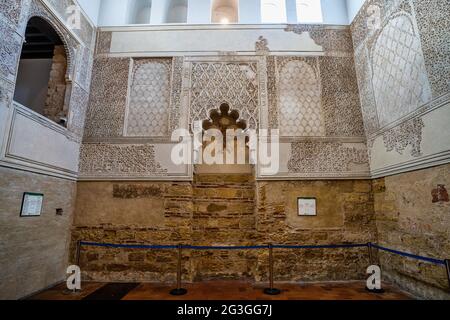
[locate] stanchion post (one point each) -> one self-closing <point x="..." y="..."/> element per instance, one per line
<point x="179" y="291"/>
<point x="369" y="248"/>
<point x="78" y="253"/>
<point x="447" y="267"/>
<point x="271" y="291"/>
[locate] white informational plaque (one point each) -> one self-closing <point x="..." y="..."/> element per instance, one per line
<point x="31" y="204"/>
<point x="307" y="207"/>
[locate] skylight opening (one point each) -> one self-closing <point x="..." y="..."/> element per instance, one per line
<point x="309" y="11"/>
<point x="273" y="11"/>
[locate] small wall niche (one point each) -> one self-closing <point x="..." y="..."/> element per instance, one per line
<point x="176" y="11"/>
<point x="225" y="11"/>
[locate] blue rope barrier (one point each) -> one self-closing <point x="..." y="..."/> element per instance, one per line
<point x="225" y="247"/>
<point x="328" y="246"/>
<point x="336" y="246"/>
<point x="410" y="255"/>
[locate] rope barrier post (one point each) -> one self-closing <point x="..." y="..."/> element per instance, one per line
<point x="369" y="247"/>
<point x="447" y="267"/>
<point x="179" y="291"/>
<point x="271" y="291"/>
<point x="78" y="253"/>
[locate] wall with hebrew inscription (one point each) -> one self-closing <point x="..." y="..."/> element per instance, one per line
<point x="403" y="69"/>
<point x="296" y="78"/>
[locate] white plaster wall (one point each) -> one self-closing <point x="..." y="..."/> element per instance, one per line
<point x="91" y="8"/>
<point x="151" y="41"/>
<point x="33" y="142"/>
<point x="335" y="12"/>
<point x="435" y="146"/>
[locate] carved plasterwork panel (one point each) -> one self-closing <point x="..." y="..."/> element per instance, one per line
<point x="335" y="41"/>
<point x="6" y="92"/>
<point x="325" y="157"/>
<point x="107" y="104"/>
<point x="10" y="48"/>
<point x="235" y="83"/>
<point x="11" y="10"/>
<point x="149" y="98"/>
<point x="400" y="80"/>
<point x="434" y="29"/>
<point x="176" y="94"/>
<point x="262" y="46"/>
<point x="84" y="67"/>
<point x="86" y="32"/>
<point x="340" y="100"/>
<point x="116" y="160"/>
<point x="78" y="108"/>
<point x="300" y="100"/>
<point x="407" y="134"/>
<point x="103" y="42"/>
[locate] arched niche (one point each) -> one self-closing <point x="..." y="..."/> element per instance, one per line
<point x="176" y="12"/>
<point x="225" y="11"/>
<point x="43" y="78"/>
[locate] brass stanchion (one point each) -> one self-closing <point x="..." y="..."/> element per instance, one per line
<point x="372" y="262"/>
<point x="179" y="291"/>
<point x="271" y="291"/>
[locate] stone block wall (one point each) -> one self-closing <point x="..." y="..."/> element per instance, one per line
<point x="412" y="213"/>
<point x="224" y="210"/>
<point x="56" y="94"/>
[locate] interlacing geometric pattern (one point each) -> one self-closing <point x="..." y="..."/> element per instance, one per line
<point x="149" y="102"/>
<point x="300" y="101"/>
<point x="235" y="83"/>
<point x="398" y="62"/>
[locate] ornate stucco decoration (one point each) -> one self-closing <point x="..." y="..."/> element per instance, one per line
<point x="235" y="83"/>
<point x="325" y="157"/>
<point x="333" y="40"/>
<point x="116" y="160"/>
<point x="406" y="134"/>
<point x="262" y="46"/>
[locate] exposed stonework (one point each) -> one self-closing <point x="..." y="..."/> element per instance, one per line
<point x="54" y="107"/>
<point x="408" y="220"/>
<point x="223" y="210"/>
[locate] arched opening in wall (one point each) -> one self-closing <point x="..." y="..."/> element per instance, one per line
<point x="177" y="11"/>
<point x="41" y="78"/>
<point x="225" y="11"/>
<point x="273" y="11"/>
<point x="139" y="11"/>
<point x="232" y="152"/>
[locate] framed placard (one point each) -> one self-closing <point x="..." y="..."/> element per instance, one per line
<point x="307" y="207"/>
<point x="31" y="204"/>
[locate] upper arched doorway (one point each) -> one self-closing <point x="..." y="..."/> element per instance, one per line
<point x="41" y="79"/>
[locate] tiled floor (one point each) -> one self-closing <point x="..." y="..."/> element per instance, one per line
<point x="234" y="290"/>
